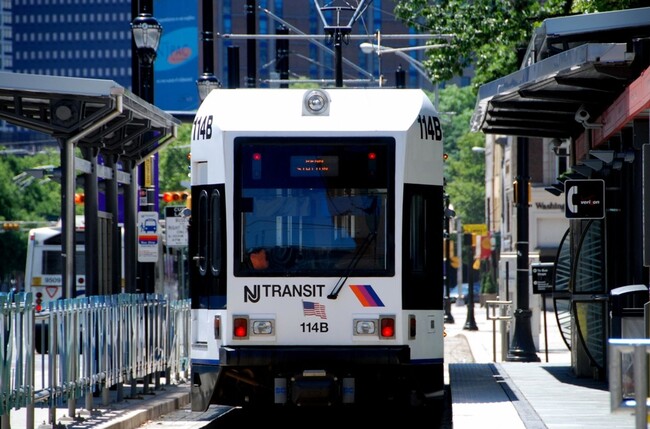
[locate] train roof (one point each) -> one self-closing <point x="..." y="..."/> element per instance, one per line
<point x="362" y="109"/>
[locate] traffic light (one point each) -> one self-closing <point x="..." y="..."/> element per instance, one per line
<point x="10" y="226"/>
<point x="79" y="198"/>
<point x="175" y="196"/>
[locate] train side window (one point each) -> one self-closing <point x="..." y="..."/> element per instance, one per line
<point x="418" y="236"/>
<point x="203" y="225"/>
<point x="215" y="232"/>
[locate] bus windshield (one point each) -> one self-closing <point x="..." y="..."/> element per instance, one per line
<point x="314" y="206"/>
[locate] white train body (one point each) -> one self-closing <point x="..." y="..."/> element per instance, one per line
<point x="347" y="204"/>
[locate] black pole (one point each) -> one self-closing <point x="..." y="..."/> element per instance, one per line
<point x="470" y="322"/>
<point x="522" y="347"/>
<point x="282" y="57"/>
<point x="91" y="206"/>
<point x="208" y="37"/>
<point x="400" y="77"/>
<point x="338" y="52"/>
<point x="251" y="47"/>
<point x="233" y="66"/>
<point x="143" y="75"/>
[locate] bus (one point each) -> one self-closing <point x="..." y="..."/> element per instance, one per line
<point x="315" y="248"/>
<point x="44" y="270"/>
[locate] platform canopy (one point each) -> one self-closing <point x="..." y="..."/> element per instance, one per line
<point x="100" y="117"/>
<point x="94" y="113"/>
<point x="573" y="70"/>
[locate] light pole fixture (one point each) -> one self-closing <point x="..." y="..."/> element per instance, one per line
<point x="146" y="35"/>
<point x="206" y="83"/>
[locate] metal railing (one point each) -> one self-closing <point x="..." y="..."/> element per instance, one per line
<point x="501" y="311"/>
<point x="94" y="344"/>
<point x="628" y="377"/>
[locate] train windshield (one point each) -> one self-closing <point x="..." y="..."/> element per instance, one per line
<point x="314" y="206"/>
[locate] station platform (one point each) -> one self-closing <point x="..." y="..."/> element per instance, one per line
<point x="486" y="391"/>
<point x="496" y="393"/>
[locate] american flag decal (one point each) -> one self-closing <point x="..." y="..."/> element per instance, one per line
<point x="313" y="309"/>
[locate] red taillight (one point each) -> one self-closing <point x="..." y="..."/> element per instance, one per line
<point x="387" y="327"/>
<point x="240" y="327"/>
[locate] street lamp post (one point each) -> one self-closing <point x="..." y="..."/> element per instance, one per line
<point x="146" y="37"/>
<point x="522" y="347"/>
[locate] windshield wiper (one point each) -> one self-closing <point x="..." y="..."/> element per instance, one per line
<point x="353" y="263"/>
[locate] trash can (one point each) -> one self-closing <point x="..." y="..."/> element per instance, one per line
<point x="626" y="310"/>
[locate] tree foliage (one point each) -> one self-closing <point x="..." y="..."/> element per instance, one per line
<point x="487" y="34"/>
<point x="24" y="198"/>
<point x="174" y="162"/>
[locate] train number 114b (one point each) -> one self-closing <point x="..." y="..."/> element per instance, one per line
<point x="430" y="128"/>
<point x="321" y="327"/>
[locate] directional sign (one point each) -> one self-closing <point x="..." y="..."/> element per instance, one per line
<point x="147" y="236"/>
<point x="585" y="199"/>
<point x="176" y="223"/>
<point x="542" y="277"/>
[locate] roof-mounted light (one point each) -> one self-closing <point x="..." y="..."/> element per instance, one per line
<point x="316" y="102"/>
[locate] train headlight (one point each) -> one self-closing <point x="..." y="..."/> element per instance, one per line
<point x="316" y="102"/>
<point x="365" y="327"/>
<point x="262" y="327"/>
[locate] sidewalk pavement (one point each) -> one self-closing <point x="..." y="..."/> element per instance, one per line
<point x="484" y="344"/>
<point x="497" y="393"/>
<point x="472" y="346"/>
<point x="128" y="413"/>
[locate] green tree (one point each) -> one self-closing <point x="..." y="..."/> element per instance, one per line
<point x="456" y="107"/>
<point x="24" y="198"/>
<point x="487" y="34"/>
<point x="174" y="162"/>
<point x="466" y="180"/>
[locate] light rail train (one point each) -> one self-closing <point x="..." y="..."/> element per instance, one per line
<point x="315" y="247"/>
